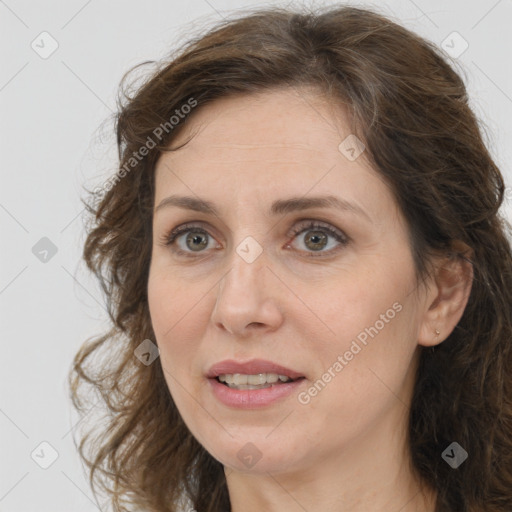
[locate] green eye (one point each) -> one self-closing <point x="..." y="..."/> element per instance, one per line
<point x="318" y="236"/>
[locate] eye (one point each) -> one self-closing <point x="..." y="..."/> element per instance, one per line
<point x="189" y="239"/>
<point x="192" y="240"/>
<point x="316" y="238"/>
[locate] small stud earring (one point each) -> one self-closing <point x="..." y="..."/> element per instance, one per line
<point x="437" y="332"/>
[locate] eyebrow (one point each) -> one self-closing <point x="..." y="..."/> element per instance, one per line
<point x="279" y="207"/>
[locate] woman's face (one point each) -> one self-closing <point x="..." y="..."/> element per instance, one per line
<point x="278" y="277"/>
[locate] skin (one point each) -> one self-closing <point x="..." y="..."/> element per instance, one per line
<point x="346" y="449"/>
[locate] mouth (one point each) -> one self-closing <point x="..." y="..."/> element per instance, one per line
<point x="254" y="381"/>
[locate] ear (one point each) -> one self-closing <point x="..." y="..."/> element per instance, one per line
<point x="447" y="295"/>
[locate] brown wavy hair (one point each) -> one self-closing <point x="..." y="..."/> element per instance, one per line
<point x="410" y="108"/>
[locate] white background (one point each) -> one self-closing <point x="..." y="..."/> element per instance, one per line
<point x="56" y="137"/>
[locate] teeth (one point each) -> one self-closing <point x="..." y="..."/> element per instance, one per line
<point x="239" y="379"/>
<point x="243" y="381"/>
<point x="261" y="378"/>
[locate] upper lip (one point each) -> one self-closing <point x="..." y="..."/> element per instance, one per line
<point x="251" y="367"/>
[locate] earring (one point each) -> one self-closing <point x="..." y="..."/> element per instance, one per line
<point x="437" y="333"/>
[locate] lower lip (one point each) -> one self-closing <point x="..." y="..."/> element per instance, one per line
<point x="253" y="398"/>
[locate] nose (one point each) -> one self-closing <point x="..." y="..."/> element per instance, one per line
<point x="247" y="299"/>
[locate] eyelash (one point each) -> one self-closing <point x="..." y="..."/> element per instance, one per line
<point x="303" y="226"/>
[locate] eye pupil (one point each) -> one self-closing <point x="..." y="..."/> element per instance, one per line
<point x="198" y="241"/>
<point x="317" y="238"/>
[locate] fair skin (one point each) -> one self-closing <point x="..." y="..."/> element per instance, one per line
<point x="345" y="449"/>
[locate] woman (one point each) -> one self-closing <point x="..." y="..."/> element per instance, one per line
<point x="305" y="223"/>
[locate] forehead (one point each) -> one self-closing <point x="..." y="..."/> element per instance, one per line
<point x="270" y="122"/>
<point x="273" y="143"/>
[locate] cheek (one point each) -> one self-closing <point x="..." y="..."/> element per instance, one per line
<point x="175" y="308"/>
<point x="171" y="298"/>
<point x="359" y="301"/>
<point x="369" y="322"/>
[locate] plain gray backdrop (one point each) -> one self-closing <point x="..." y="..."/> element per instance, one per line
<point x="61" y="66"/>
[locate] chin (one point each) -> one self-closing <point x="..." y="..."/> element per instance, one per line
<point x="258" y="454"/>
